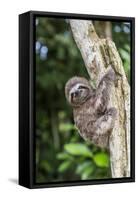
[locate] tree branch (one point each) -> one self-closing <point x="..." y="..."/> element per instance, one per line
<point x="98" y="54"/>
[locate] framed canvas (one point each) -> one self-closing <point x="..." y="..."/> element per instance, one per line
<point x="76" y="99"/>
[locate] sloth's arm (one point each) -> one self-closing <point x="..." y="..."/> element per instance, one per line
<point x="104" y="90"/>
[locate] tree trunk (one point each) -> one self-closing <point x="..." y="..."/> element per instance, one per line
<point x="98" y="54"/>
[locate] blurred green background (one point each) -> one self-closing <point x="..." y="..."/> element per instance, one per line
<point x="61" y="154"/>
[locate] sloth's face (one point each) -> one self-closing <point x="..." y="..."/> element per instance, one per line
<point x="78" y="94"/>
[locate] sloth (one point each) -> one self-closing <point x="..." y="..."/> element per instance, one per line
<point x="92" y="113"/>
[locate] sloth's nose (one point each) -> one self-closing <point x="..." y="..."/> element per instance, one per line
<point x="76" y="93"/>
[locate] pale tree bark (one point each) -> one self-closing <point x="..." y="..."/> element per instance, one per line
<point x="98" y="54"/>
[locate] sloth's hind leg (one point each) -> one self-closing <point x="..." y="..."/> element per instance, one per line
<point x="103" y="126"/>
<point x="106" y="122"/>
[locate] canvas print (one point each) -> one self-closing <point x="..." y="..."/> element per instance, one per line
<point x="82" y="99"/>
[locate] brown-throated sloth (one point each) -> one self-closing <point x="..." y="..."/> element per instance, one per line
<point x="92" y="114"/>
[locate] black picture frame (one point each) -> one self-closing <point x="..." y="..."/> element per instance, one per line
<point x="27" y="99"/>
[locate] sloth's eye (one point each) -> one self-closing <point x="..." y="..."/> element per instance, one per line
<point x="82" y="87"/>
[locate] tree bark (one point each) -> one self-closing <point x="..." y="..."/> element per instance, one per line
<point x="98" y="54"/>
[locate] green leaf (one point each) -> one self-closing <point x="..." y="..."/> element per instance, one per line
<point x="85" y="169"/>
<point x="86" y="174"/>
<point x="45" y="166"/>
<point x="84" y="166"/>
<point x="124" y="54"/>
<point x="63" y="156"/>
<point x="78" y="149"/>
<point x="65" y="127"/>
<point x="64" y="166"/>
<point x="101" y="159"/>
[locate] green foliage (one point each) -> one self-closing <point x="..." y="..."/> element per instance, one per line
<point x="64" y="166"/>
<point x="78" y="149"/>
<point x="85" y="160"/>
<point x="101" y="159"/>
<point x="61" y="154"/>
<point x="122" y="38"/>
<point x="64" y="127"/>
